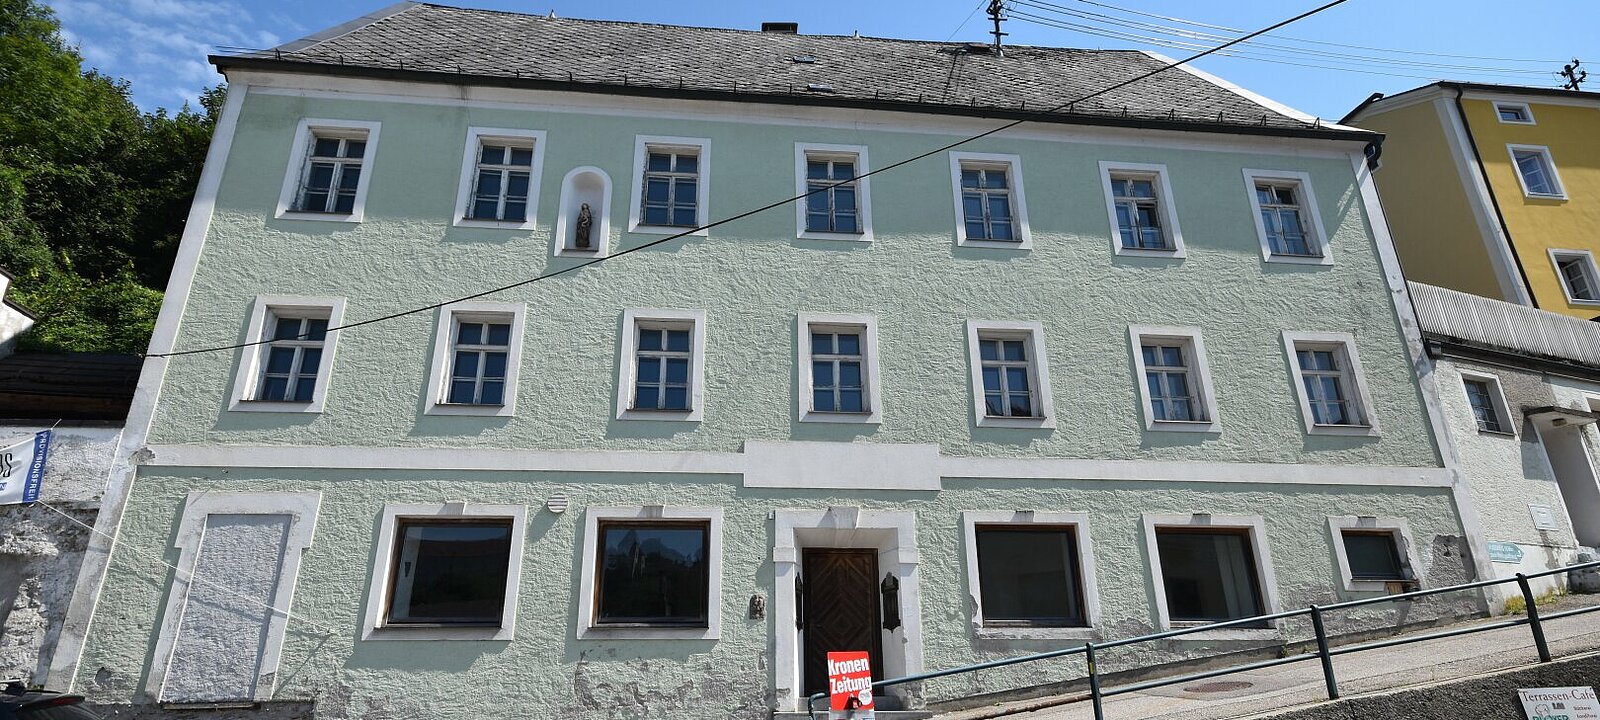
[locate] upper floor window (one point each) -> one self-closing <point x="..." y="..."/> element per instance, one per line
<point x="1286" y="217"/>
<point x="989" y="204"/>
<point x="329" y="170"/>
<point x="1009" y="378"/>
<point x="671" y="193"/>
<point x="1536" y="171"/>
<point x="477" y="349"/>
<point x="500" y="177"/>
<point x="1579" y="277"/>
<point x="1514" y="113"/>
<point x="287" y="370"/>
<point x="293" y="357"/>
<point x="1139" y="199"/>
<point x="664" y="378"/>
<point x="1174" y="386"/>
<point x="838" y="363"/>
<point x="1330" y="383"/>
<point x="836" y="196"/>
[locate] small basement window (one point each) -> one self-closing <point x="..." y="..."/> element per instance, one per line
<point x="1373" y="555"/>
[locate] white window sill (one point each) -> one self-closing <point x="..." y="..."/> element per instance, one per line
<point x="1229" y="633"/>
<point x="1542" y="196"/>
<point x="603" y="632"/>
<point x="661" y="415"/>
<point x="437" y="632"/>
<point x="848" y="418"/>
<point x="1026" y="423"/>
<point x="1192" y="426"/>
<point x="1169" y="253"/>
<point x="1300" y="259"/>
<point x="592" y="251"/>
<point x="354" y="217"/>
<point x="470" y="409"/>
<point x="1377" y="586"/>
<point x="274" y="406"/>
<point x="1348" y="430"/>
<point x="860" y="237"/>
<point x="495" y="224"/>
<point x="669" y="229"/>
<point x="1037" y="633"/>
<point x="995" y="244"/>
<point x="1576" y="301"/>
<point x="1497" y="433"/>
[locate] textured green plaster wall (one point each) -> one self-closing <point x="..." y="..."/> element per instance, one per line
<point x="544" y="672"/>
<point x="752" y="276"/>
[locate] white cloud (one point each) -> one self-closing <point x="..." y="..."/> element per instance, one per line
<point x="158" y="45"/>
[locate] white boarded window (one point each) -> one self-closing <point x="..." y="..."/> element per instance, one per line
<point x="1144" y="221"/>
<point x="1287" y="221"/>
<point x="1330" y="384"/>
<point x="329" y="171"/>
<point x="1580" y="279"/>
<point x="1536" y="170"/>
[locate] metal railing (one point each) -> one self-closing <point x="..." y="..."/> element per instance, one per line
<point x="1324" y="652"/>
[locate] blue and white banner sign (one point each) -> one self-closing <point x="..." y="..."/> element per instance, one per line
<point x="22" y="467"/>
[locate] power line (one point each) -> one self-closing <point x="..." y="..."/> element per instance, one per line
<point x="1206" y="37"/>
<point x="780" y="203"/>
<point x="1225" y="28"/>
<point x="1185" y="45"/>
<point x="980" y="6"/>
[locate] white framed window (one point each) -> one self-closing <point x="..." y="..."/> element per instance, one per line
<point x="329" y="171"/>
<point x="663" y="365"/>
<point x="1487" y="403"/>
<point x="290" y="368"/>
<point x="841" y="208"/>
<point x="446" y="571"/>
<point x="991" y="210"/>
<point x="477" y="351"/>
<point x="1031" y="574"/>
<point x="1174" y="379"/>
<point x="1010" y="374"/>
<point x="1287" y="221"/>
<point x="838" y="368"/>
<point x="1536" y="171"/>
<point x="1373" y="552"/>
<point x="671" y="185"/>
<point x="500" y="172"/>
<point x="1580" y="279"/>
<point x="1144" y="220"/>
<point x="651" y="572"/>
<point x="1211" y="568"/>
<point x="1329" y="383"/>
<point x="1514" y="113"/>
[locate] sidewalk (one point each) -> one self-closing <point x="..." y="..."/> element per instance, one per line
<point x="1296" y="684"/>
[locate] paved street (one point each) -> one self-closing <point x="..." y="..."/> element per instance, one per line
<point x="1296" y="684"/>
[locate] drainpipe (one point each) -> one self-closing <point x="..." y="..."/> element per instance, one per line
<point x="1505" y="231"/>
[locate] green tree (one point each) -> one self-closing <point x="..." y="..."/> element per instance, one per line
<point x="93" y="192"/>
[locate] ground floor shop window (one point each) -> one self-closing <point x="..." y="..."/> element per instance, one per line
<point x="450" y="572"/>
<point x="653" y="574"/>
<point x="1209" y="574"/>
<point x="1029" y="576"/>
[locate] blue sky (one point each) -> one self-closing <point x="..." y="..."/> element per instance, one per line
<point x="161" y="45"/>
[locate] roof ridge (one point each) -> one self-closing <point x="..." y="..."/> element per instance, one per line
<point x="746" y="31"/>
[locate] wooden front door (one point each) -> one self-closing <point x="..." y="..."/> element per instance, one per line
<point x="840" y="592"/>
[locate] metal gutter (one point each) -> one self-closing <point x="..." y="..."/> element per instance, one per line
<point x="226" y="62"/>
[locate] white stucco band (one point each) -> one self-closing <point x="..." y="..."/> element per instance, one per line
<point x="918" y="466"/>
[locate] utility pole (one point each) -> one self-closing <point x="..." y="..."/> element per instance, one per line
<point x="996" y="7"/>
<point x="1574" y="75"/>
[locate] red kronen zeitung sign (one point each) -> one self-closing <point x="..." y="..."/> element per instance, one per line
<point x="849" y="678"/>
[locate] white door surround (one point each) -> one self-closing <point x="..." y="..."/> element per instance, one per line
<point x="893" y="533"/>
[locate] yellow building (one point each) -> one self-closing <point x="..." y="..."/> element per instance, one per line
<point x="1494" y="190"/>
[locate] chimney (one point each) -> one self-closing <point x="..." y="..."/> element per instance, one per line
<point x="782" y="28"/>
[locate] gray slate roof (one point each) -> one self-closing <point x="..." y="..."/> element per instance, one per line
<point x="418" y="40"/>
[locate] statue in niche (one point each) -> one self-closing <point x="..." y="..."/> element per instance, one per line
<point x="580" y="240"/>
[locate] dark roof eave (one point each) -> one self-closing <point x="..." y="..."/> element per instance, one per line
<point x="226" y="62"/>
